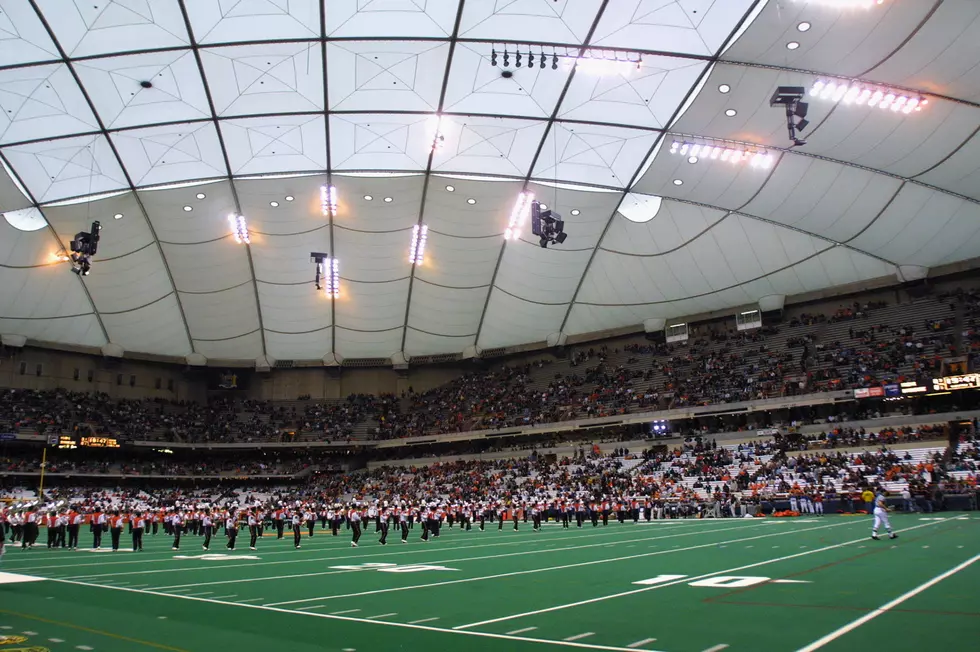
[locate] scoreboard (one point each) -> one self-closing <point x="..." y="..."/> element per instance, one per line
<point x="69" y="442"/>
<point x="99" y="442"/>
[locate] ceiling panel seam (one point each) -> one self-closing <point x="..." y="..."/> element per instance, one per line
<point x="428" y="165"/>
<point x="112" y="146"/>
<point x="654" y="150"/>
<point x="61" y="245"/>
<point x="195" y="48"/>
<point x="708" y="294"/>
<point x="534" y="161"/>
<point x="925" y="19"/>
<point x="329" y="170"/>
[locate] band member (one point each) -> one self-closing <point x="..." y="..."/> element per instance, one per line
<point x="383" y="520"/>
<point x="115" y="529"/>
<point x="74" y="524"/>
<point x="278" y="520"/>
<point x="297" y="531"/>
<point x="177" y="523"/>
<point x="354" y="518"/>
<point x="139" y="524"/>
<point x="253" y="529"/>
<point x="51" y="525"/>
<point x="403" y="523"/>
<point x="231" y="529"/>
<point x="98" y="526"/>
<point x="208" y="525"/>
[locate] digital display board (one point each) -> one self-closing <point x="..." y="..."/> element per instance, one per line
<point x="953" y="383"/>
<point x="66" y="441"/>
<point x="99" y="442"/>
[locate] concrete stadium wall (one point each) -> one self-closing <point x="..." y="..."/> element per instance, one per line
<point x="48" y="369"/>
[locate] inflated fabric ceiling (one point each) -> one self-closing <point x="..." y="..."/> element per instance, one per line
<point x="253" y="105"/>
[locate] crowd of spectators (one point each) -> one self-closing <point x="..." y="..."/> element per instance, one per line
<point x="717" y="364"/>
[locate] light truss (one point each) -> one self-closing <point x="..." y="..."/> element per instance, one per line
<point x="723" y="152"/>
<point x="239" y="228"/>
<point x="864" y="94"/>
<point x="518" y="216"/>
<point x="328" y="201"/>
<point x="416" y="253"/>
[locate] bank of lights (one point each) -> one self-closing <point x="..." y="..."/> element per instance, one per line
<point x="328" y="201"/>
<point x="697" y="151"/>
<point x="864" y="94"/>
<point x="239" y="228"/>
<point x="598" y="62"/>
<point x="328" y="277"/>
<point x="847" y="4"/>
<point x="518" y="216"/>
<point x="416" y="254"/>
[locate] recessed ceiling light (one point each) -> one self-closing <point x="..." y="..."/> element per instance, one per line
<point x="188" y="209"/>
<point x="289" y="198"/>
<point x="274" y="204"/>
<point x="117" y="216"/>
<point x="451" y="188"/>
<point x="731" y="113"/>
<point x="387" y="200"/>
<point x="724" y="88"/>
<point x="368" y="197"/>
<point x="575" y="211"/>
<point x="678" y="182"/>
<point x="803" y="27"/>
<point x="693" y="159"/>
<point x="470" y="201"/>
<point x="792" y="45"/>
<point x="201" y="195"/>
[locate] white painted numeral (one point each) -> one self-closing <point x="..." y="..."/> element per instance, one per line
<point x="660" y="579"/>
<point x="729" y="582"/>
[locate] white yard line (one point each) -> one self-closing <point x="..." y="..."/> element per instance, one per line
<point x="343" y="543"/>
<point x="423" y="620"/>
<point x="636" y="644"/>
<point x="313" y="606"/>
<point x="547" y="569"/>
<point x="522" y="630"/>
<point x="224" y="597"/>
<point x="346" y="611"/>
<point x="681" y="581"/>
<point x="537" y="551"/>
<point x="716" y="648"/>
<point x="241" y="602"/>
<point x="394" y="613"/>
<point x="579" y="636"/>
<point x="885" y="608"/>
<point x="421" y="627"/>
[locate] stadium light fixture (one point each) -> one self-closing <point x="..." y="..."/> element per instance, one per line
<point x="870" y="95"/>
<point x="437" y="139"/>
<point x="722" y="151"/>
<point x="328" y="201"/>
<point x="239" y="228"/>
<point x="416" y="253"/>
<point x="327" y="274"/>
<point x="846" y="4"/>
<point x="518" y="216"/>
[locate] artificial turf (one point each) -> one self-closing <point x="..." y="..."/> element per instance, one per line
<point x="506" y="590"/>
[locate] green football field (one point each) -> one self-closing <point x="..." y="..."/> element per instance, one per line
<point x="679" y="586"/>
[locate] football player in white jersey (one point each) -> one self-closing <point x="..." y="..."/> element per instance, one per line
<point x="881" y="518"/>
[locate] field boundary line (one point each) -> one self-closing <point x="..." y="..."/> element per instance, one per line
<point x="885" y="608"/>
<point x="686" y="579"/>
<point x="382" y="623"/>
